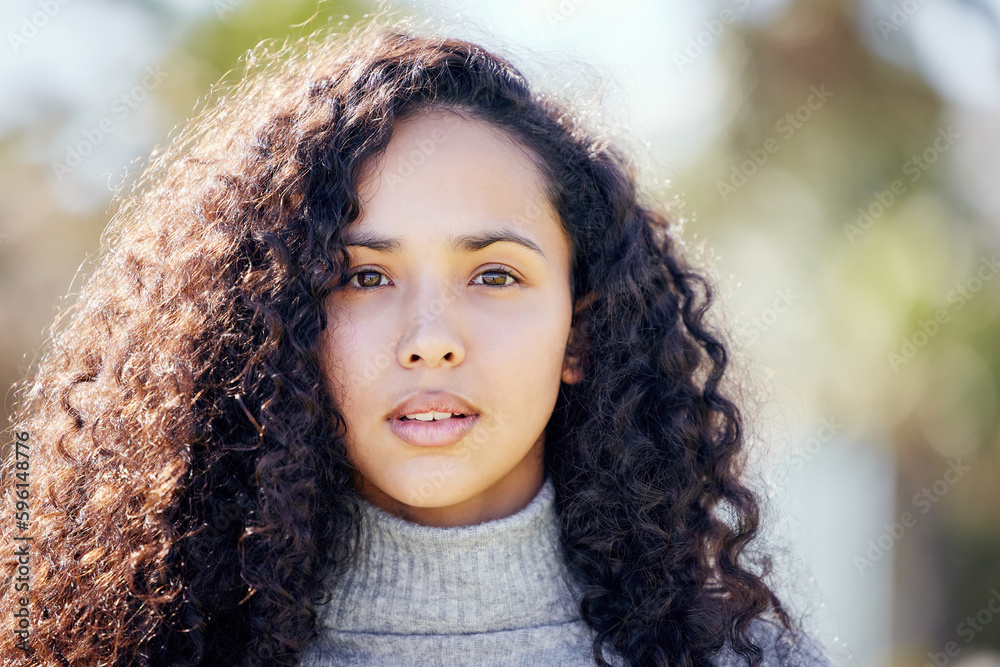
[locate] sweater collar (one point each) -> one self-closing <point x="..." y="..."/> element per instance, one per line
<point x="499" y="575"/>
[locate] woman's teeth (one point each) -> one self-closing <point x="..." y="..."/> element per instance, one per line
<point x="431" y="416"/>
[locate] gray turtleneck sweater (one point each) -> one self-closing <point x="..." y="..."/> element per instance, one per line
<point x="496" y="593"/>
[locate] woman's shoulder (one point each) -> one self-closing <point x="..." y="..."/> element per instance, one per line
<point x="782" y="648"/>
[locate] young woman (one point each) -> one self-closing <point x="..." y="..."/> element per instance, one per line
<point x="388" y="362"/>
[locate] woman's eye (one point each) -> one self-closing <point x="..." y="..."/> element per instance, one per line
<point x="498" y="278"/>
<point x="370" y="278"/>
<point x="366" y="278"/>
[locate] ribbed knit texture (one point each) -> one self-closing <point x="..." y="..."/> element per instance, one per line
<point x="496" y="593"/>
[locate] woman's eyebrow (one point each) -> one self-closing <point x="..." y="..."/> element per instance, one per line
<point x="460" y="243"/>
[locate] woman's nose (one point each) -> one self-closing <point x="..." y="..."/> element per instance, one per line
<point x="431" y="334"/>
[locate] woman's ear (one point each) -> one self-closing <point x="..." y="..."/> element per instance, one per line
<point x="577" y="344"/>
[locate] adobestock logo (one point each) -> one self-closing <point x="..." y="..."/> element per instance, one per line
<point x="915" y="167"/>
<point x="565" y="9"/>
<point x="223" y="7"/>
<point x="786" y="126"/>
<point x="967" y="630"/>
<point x="829" y="427"/>
<point x="711" y="30"/>
<point x="925" y="499"/>
<point x="32" y="25"/>
<point x="959" y="296"/>
<point x="898" y="17"/>
<point x="121" y="108"/>
<point x="766" y="319"/>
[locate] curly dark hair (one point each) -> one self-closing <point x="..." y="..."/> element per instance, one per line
<point x="190" y="487"/>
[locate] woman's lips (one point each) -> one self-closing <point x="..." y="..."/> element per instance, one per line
<point x="433" y="433"/>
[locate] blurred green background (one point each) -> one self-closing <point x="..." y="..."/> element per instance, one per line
<point x="838" y="161"/>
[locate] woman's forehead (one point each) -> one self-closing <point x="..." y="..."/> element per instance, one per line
<point x="442" y="165"/>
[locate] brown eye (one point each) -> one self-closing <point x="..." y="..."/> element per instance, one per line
<point x="367" y="278"/>
<point x="498" y="278"/>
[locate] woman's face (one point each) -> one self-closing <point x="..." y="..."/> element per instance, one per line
<point x="459" y="292"/>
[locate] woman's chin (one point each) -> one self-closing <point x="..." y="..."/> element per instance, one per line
<point x="427" y="485"/>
